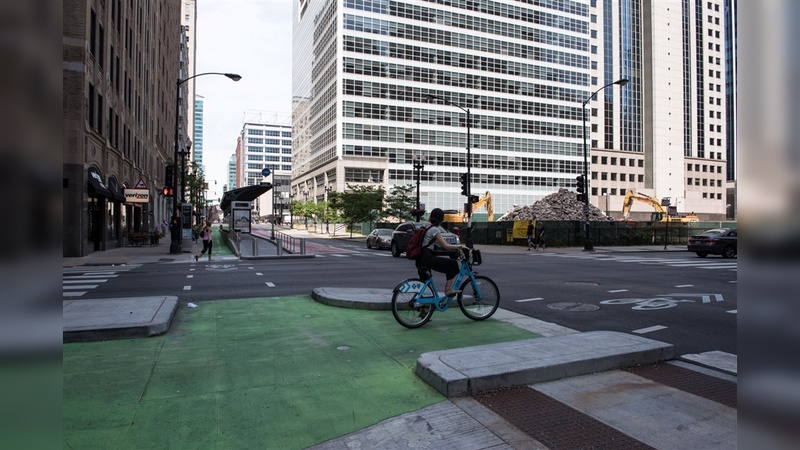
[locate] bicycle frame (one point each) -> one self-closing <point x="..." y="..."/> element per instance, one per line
<point x="441" y="302"/>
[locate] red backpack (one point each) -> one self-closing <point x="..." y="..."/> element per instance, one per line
<point x="414" y="248"/>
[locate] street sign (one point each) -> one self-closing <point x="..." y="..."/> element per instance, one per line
<point x="140" y="184"/>
<point x="265" y="172"/>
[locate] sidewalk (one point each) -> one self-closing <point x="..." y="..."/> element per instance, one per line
<point x="335" y="371"/>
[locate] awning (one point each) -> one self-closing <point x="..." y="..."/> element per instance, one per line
<point x="98" y="189"/>
<point x="116" y="192"/>
<point x="243" y="194"/>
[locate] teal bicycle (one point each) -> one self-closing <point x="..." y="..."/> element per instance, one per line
<point x="415" y="299"/>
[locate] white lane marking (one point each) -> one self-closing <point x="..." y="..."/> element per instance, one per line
<point x="340" y="256"/>
<point x="187" y="288"/>
<point x="270" y="284"/>
<point x="76" y="277"/>
<point x="734" y="281"/>
<point x="733" y="311"/>
<point x="259" y="274"/>
<point x="83" y="281"/>
<point x="649" y="329"/>
<point x="529" y="300"/>
<point x="619" y="290"/>
<point x="189" y="276"/>
<point x="83" y="286"/>
<point x="73" y="294"/>
<point x="251" y="267"/>
<point x="685" y="285"/>
<point x="191" y="269"/>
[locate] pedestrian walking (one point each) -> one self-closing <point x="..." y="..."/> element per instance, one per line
<point x="529" y="234"/>
<point x="205" y="235"/>
<point x="163" y="227"/>
<point x="540" y="236"/>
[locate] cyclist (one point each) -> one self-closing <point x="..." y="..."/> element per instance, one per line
<point x="428" y="259"/>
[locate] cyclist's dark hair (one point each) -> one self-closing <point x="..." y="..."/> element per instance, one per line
<point x="437" y="216"/>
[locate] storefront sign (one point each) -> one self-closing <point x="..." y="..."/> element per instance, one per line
<point x="137" y="196"/>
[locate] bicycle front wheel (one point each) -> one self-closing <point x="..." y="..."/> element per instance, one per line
<point x="405" y="308"/>
<point x="479" y="300"/>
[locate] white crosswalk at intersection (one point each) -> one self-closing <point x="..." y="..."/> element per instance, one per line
<point x="706" y="264"/>
<point x="77" y="281"/>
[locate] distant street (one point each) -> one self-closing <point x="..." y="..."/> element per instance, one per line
<point x="668" y="296"/>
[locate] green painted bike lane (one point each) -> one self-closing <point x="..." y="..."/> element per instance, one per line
<point x="276" y="373"/>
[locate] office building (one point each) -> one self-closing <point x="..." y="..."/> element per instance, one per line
<point x="197" y="132"/>
<point x="120" y="63"/>
<point x="377" y="85"/>
<point x="265" y="146"/>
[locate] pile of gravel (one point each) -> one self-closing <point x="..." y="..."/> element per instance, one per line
<point x="562" y="205"/>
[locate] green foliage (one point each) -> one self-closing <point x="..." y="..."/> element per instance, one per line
<point x="401" y="201"/>
<point x="358" y="203"/>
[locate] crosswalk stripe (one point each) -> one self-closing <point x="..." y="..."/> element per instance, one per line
<point x="73" y="294"/>
<point x="649" y="329"/>
<point x="83" y="281"/>
<point x="82" y="286"/>
<point x="618" y="290"/>
<point x="529" y="300"/>
<point x="270" y="284"/>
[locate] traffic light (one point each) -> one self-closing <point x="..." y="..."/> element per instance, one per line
<point x="464" y="184"/>
<point x="169" y="177"/>
<point x="169" y="191"/>
<point x="580" y="186"/>
<point x="473" y="199"/>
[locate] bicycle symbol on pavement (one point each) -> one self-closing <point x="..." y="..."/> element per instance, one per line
<point x="663" y="301"/>
<point x="220" y="267"/>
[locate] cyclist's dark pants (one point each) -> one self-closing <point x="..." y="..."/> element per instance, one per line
<point x="445" y="265"/>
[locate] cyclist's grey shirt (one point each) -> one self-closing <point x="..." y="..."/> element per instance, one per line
<point x="430" y="236"/>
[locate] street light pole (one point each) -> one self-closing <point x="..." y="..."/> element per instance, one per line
<point x="468" y="231"/>
<point x="587" y="243"/>
<point x="176" y="246"/>
<point x="419" y="165"/>
<point x="328" y="189"/>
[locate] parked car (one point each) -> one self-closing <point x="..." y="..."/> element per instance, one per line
<point x="719" y="241"/>
<point x="380" y="238"/>
<point x="402" y="234"/>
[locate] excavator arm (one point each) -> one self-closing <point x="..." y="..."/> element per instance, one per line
<point x="461" y="216"/>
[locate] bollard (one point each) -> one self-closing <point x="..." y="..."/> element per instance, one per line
<point x="255" y="247"/>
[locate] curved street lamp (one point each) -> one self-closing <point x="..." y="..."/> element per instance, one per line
<point x="587" y="243"/>
<point x="468" y="231"/>
<point x="176" y="246"/>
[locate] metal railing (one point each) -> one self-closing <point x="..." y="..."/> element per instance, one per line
<point x="290" y="244"/>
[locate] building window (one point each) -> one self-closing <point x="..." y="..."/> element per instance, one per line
<point x="604" y="176"/>
<point x="641" y="178"/>
<point x="604" y="160"/>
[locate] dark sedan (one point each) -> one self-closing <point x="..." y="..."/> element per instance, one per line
<point x="719" y="241"/>
<point x="380" y="238"/>
<point x="402" y="235"/>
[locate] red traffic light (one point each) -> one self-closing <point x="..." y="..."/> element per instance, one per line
<point x="169" y="192"/>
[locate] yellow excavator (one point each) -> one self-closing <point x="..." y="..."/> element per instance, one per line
<point x="661" y="214"/>
<point x="454" y="216"/>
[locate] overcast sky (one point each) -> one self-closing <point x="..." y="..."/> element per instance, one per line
<point x="253" y="39"/>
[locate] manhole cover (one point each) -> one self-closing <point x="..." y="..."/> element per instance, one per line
<point x="581" y="283"/>
<point x="569" y="306"/>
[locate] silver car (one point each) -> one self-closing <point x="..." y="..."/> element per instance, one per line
<point x="380" y="238"/>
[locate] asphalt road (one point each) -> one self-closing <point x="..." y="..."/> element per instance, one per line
<point x="668" y="296"/>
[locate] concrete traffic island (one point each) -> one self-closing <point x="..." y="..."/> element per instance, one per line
<point x="117" y="318"/>
<point x="355" y="298"/>
<point x="473" y="370"/>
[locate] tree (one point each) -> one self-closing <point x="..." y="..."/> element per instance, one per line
<point x="400" y="202"/>
<point x="358" y="204"/>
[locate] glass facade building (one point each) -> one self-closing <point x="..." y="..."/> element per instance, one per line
<point x="362" y="70"/>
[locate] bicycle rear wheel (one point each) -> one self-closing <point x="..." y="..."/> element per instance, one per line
<point x="405" y="309"/>
<point x="479" y="300"/>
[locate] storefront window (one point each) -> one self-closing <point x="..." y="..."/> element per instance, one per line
<point x="111" y="221"/>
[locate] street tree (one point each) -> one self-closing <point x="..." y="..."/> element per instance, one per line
<point x="400" y="202"/>
<point x="358" y="204"/>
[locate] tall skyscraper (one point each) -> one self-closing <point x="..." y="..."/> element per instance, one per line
<point x="197" y="139"/>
